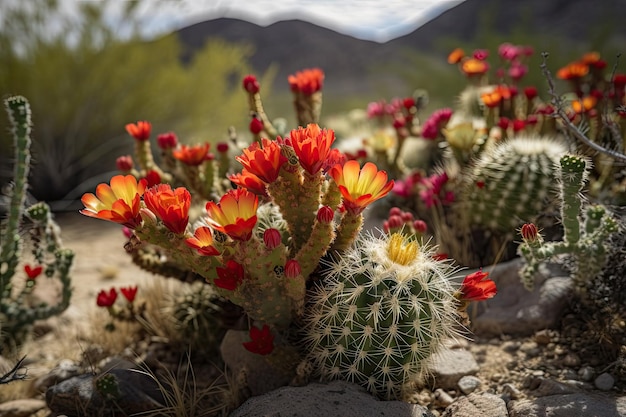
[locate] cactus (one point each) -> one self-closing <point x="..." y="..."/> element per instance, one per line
<point x="385" y="307"/>
<point x="16" y="312"/>
<point x="510" y="182"/>
<point x="196" y="313"/>
<point x="585" y="233"/>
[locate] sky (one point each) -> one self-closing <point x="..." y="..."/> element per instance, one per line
<point x="376" y="20"/>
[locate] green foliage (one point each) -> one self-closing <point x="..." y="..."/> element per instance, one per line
<point x="85" y="84"/>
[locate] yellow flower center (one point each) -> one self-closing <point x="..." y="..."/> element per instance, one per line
<point x="400" y="250"/>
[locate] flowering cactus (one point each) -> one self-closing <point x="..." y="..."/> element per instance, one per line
<point x="16" y="312"/>
<point x="260" y="270"/>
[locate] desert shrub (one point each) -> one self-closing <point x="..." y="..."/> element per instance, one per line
<point x="85" y="82"/>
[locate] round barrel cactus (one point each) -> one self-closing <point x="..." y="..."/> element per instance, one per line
<point x="384" y="308"/>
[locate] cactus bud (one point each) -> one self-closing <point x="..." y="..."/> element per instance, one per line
<point x="292" y="269"/>
<point x="529" y="232"/>
<point x="124" y="163"/>
<point x="167" y="140"/>
<point x="250" y="84"/>
<point x="256" y="126"/>
<point x="420" y="226"/>
<point x="325" y="214"/>
<point x="271" y="238"/>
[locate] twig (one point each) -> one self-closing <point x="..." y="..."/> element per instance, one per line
<point x="12" y="375"/>
<point x="558" y="105"/>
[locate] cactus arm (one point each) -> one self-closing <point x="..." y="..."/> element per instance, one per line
<point x="18" y="110"/>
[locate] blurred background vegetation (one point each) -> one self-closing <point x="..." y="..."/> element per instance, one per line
<point x="85" y="82"/>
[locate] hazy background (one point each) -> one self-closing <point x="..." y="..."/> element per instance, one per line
<point x="90" y="67"/>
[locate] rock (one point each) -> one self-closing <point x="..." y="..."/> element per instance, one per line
<point x="260" y="374"/>
<point x="136" y="393"/>
<point x="21" y="408"/>
<point x="511" y="391"/>
<point x="572" y="360"/>
<point x="64" y="370"/>
<point x="586" y="373"/>
<point x="580" y="404"/>
<point x="542" y="387"/>
<point x="450" y="365"/>
<point x="484" y="405"/>
<point x="542" y="337"/>
<point x="335" y="399"/>
<point x="604" y="382"/>
<point x="517" y="311"/>
<point x="468" y="384"/>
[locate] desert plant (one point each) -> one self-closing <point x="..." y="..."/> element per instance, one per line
<point x="385" y="307"/>
<point x="585" y="232"/>
<point x="16" y="311"/>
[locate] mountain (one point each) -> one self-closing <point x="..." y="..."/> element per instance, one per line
<point x="350" y="63"/>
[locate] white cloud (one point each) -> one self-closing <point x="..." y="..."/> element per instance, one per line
<point x="368" y="19"/>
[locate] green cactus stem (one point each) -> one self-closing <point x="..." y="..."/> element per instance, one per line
<point x="585" y="232"/>
<point x="17" y="312"/>
<point x="385" y="307"/>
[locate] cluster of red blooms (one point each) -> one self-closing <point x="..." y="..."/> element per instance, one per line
<point x="107" y="298"/>
<point x="512" y="60"/>
<point x="398" y="220"/>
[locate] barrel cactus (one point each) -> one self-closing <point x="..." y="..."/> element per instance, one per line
<point x="510" y="183"/>
<point x="386" y="306"/>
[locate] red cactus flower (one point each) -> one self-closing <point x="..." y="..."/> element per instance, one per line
<point x="264" y="162"/>
<point x="307" y="82"/>
<point x="129" y="293"/>
<point x="235" y="215"/>
<point x="152" y="178"/>
<point x="118" y="203"/>
<point x="167" y="140"/>
<point x="202" y="241"/>
<point x="360" y="187"/>
<point x="262" y="341"/>
<point x="140" y="131"/>
<point x="477" y="287"/>
<point x="171" y="206"/>
<point x="192" y="155"/>
<point x="33" y="272"/>
<point x="312" y="146"/>
<point x="230" y="276"/>
<point x="106" y="299"/>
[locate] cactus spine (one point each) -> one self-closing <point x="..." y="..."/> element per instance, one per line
<point x="585" y="234"/>
<point x="16" y="313"/>
<point x="386" y="306"/>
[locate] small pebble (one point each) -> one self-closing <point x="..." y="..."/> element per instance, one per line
<point x="603" y="382"/>
<point x="537" y="373"/>
<point x="443" y="398"/>
<point x="510" y="390"/>
<point x="571" y="360"/>
<point x="569" y="374"/>
<point x="511" y="346"/>
<point x="468" y="384"/>
<point x="586" y="373"/>
<point x="542" y="337"/>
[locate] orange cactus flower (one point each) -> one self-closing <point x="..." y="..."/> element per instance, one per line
<point x="473" y="66"/>
<point x="192" y="155"/>
<point x="140" y="131"/>
<point x="584" y="105"/>
<point x="590" y="58"/>
<point x="307" y="82"/>
<point x="492" y="98"/>
<point x="171" y="206"/>
<point x="312" y="146"/>
<point x="250" y="181"/>
<point x="264" y="162"/>
<point x="235" y="214"/>
<point x="118" y="203"/>
<point x="573" y="71"/>
<point x="477" y="287"/>
<point x="360" y="187"/>
<point x="456" y="56"/>
<point x="202" y="241"/>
